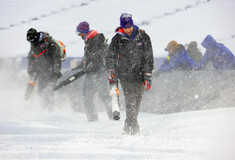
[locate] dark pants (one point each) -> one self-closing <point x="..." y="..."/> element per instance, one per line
<point x="133" y="93"/>
<point x="45" y="90"/>
<point x="95" y="83"/>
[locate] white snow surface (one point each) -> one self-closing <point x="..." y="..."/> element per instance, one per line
<point x="33" y="132"/>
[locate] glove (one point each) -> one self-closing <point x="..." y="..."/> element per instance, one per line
<point x="57" y="75"/>
<point x="30" y="70"/>
<point x="147" y="81"/>
<point x="111" y="76"/>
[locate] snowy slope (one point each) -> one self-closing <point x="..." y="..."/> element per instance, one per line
<point x="32" y="132"/>
<point x="181" y="20"/>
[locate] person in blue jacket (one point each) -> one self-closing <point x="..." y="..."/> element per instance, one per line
<point x="177" y="58"/>
<point x="220" y="56"/>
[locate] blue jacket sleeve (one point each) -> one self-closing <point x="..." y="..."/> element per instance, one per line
<point x="172" y="63"/>
<point x="191" y="64"/>
<point x="227" y="56"/>
<point x="203" y="61"/>
<point x="164" y="65"/>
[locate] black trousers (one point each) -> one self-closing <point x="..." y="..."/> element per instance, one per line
<point x="96" y="82"/>
<point x="45" y="90"/>
<point x="133" y="92"/>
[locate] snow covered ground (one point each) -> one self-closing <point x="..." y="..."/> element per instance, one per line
<point x="32" y="132"/>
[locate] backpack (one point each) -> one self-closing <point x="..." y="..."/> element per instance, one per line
<point x="62" y="50"/>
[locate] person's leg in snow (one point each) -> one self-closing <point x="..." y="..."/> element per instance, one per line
<point x="89" y="90"/>
<point x="133" y="93"/>
<point x="103" y="90"/>
<point x="45" y="92"/>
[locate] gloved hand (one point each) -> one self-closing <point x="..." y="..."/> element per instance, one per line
<point x="111" y="76"/>
<point x="30" y="70"/>
<point x="147" y="81"/>
<point x="57" y="75"/>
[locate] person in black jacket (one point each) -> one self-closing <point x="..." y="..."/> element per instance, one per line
<point x="93" y="61"/>
<point x="130" y="59"/>
<point x="193" y="51"/>
<point x="44" y="60"/>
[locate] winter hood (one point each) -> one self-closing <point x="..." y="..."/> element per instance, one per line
<point x="209" y="42"/>
<point x="90" y="35"/>
<point x="120" y="31"/>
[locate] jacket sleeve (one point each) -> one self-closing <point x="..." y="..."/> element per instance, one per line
<point x="172" y="64"/>
<point x="227" y="58"/>
<point x="228" y="54"/>
<point x="96" y="47"/>
<point x="203" y="62"/>
<point x="190" y="62"/>
<point x="100" y="46"/>
<point x="31" y="65"/>
<point x="94" y="53"/>
<point x="111" y="58"/>
<point x="55" y="55"/>
<point x="164" y="65"/>
<point x="81" y="64"/>
<point x="148" y="55"/>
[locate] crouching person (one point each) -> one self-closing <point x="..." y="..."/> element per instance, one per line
<point x="177" y="58"/>
<point x="220" y="56"/>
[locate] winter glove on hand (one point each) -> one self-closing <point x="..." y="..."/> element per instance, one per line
<point x="30" y="70"/>
<point x="57" y="75"/>
<point x="147" y="81"/>
<point x="111" y="76"/>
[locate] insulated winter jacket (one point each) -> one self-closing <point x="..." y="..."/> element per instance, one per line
<point x="220" y="56"/>
<point x="130" y="57"/>
<point x="94" y="51"/>
<point x="179" y="60"/>
<point x="44" y="57"/>
<point x="194" y="52"/>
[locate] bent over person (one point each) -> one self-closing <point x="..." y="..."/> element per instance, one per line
<point x="220" y="56"/>
<point x="44" y="59"/>
<point x="130" y="59"/>
<point x="177" y="58"/>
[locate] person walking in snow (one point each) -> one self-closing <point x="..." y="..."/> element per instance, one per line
<point x="220" y="56"/>
<point x="93" y="61"/>
<point x="44" y="59"/>
<point x="193" y="51"/>
<point x="177" y="58"/>
<point x="130" y="59"/>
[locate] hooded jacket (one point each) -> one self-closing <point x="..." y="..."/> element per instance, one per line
<point x="179" y="60"/>
<point x="130" y="57"/>
<point x="44" y="56"/>
<point x="220" y="56"/>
